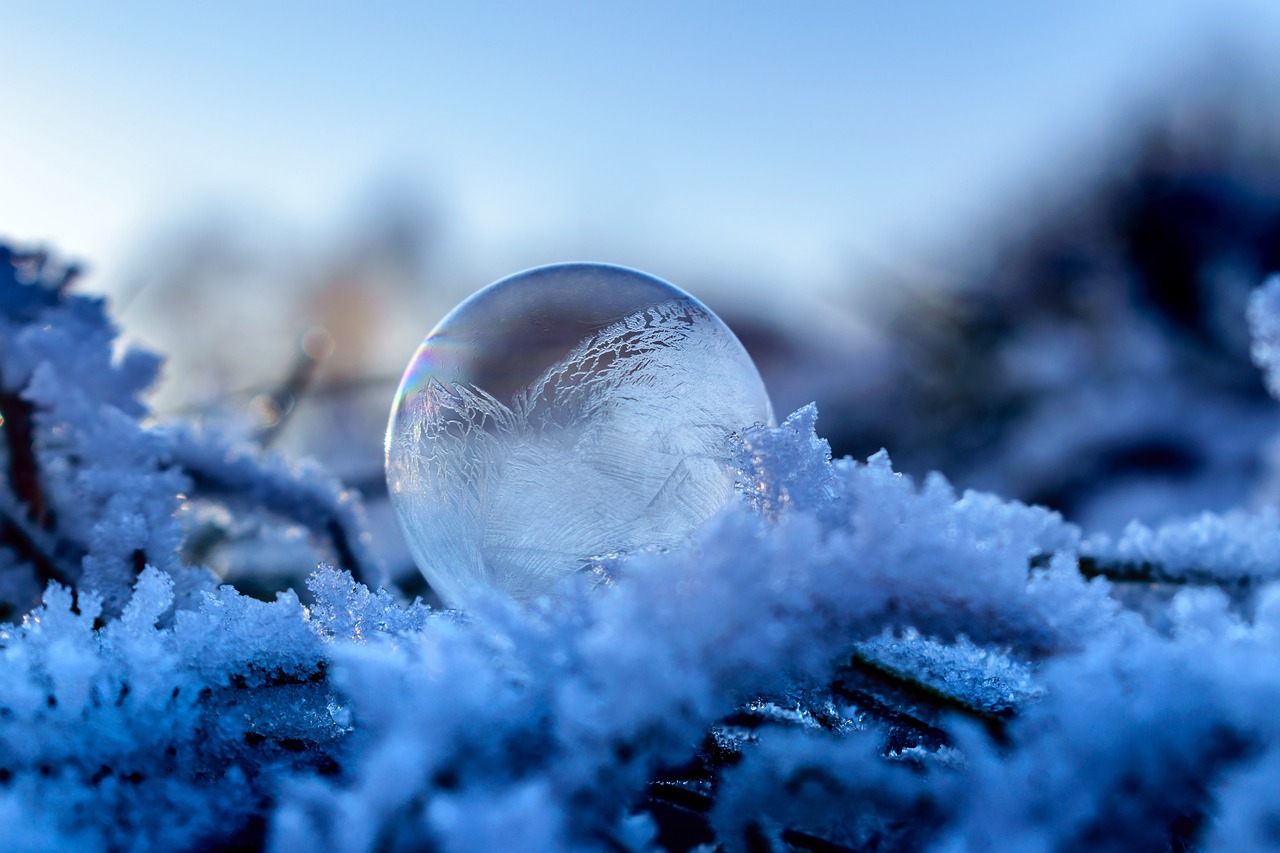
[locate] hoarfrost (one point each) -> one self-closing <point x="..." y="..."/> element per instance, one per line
<point x="841" y="657"/>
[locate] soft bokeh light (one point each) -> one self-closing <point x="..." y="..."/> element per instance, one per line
<point x="931" y="219"/>
<point x="768" y="144"/>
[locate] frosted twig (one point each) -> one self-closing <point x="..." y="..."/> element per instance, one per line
<point x="234" y="474"/>
<point x="15" y="538"/>
<point x="24" y="472"/>
<point x="863" y="678"/>
<point x="284" y="399"/>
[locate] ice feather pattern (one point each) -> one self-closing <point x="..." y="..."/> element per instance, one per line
<point x="622" y="444"/>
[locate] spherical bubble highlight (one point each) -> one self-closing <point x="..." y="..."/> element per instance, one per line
<point x="563" y="414"/>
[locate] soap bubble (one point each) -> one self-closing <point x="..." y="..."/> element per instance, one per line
<point x="563" y="415"/>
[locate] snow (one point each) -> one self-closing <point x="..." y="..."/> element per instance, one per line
<point x="840" y="655"/>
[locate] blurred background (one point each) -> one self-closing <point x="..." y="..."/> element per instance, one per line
<point x="1013" y="242"/>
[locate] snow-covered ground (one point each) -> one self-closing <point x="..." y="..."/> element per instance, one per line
<point x="842" y="656"/>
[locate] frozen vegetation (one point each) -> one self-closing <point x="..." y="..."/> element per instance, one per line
<point x="841" y="659"/>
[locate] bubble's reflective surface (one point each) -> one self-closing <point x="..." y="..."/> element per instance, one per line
<point x="564" y="413"/>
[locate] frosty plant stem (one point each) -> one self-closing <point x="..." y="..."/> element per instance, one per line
<point x="94" y="489"/>
<point x="24" y="484"/>
<point x="863" y="676"/>
<point x="24" y="474"/>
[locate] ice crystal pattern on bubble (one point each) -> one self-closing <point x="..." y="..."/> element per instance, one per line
<point x="623" y="443"/>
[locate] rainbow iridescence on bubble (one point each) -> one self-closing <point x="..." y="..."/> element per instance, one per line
<point x="564" y="413"/>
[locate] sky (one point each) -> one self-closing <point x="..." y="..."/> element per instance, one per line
<point x="782" y="144"/>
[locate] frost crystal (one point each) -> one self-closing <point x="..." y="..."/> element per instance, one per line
<point x="562" y="414"/>
<point x="843" y="660"/>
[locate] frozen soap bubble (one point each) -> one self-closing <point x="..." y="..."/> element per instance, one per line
<point x="564" y="413"/>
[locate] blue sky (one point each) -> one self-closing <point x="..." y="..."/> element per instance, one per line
<point x="781" y="143"/>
